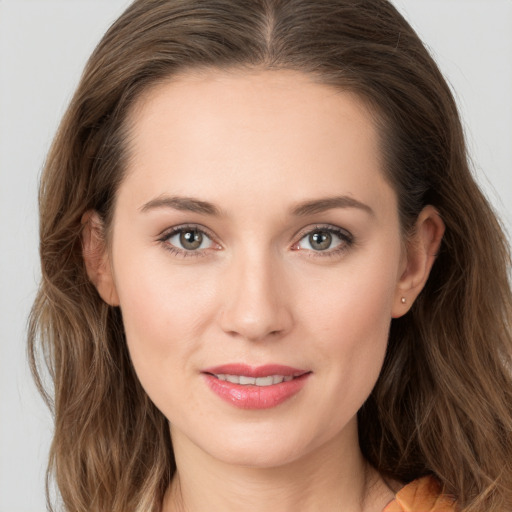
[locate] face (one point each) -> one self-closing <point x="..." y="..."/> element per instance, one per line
<point x="256" y="256"/>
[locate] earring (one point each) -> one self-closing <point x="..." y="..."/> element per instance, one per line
<point x="404" y="300"/>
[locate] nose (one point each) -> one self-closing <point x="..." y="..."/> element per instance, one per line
<point x="256" y="305"/>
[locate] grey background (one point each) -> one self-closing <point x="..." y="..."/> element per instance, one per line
<point x="43" y="47"/>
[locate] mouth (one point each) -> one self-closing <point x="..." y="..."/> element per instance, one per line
<point x="260" y="387"/>
<point x="245" y="380"/>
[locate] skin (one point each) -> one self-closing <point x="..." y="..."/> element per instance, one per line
<point x="255" y="146"/>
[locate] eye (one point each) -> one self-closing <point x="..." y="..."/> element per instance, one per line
<point x="325" y="239"/>
<point x="188" y="239"/>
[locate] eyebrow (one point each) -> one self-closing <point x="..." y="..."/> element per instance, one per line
<point x="303" y="209"/>
<point x="328" y="203"/>
<point x="188" y="204"/>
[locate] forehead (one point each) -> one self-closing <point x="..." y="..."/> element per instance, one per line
<point x="219" y="133"/>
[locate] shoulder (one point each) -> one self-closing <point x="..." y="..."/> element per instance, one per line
<point x="422" y="495"/>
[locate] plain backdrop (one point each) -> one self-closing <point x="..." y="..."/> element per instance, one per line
<point x="43" y="47"/>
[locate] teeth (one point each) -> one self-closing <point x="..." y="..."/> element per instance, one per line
<point x="247" y="380"/>
<point x="265" y="381"/>
<point x="254" y="381"/>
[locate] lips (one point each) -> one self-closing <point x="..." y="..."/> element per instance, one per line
<point x="261" y="387"/>
<point x="244" y="380"/>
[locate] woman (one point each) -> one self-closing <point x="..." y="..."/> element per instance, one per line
<point x="269" y="279"/>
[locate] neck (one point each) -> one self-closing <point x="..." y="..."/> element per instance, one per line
<point x="334" y="476"/>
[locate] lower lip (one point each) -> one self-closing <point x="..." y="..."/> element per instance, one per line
<point x="255" y="397"/>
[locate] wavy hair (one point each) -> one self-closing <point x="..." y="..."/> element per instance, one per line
<point x="443" y="402"/>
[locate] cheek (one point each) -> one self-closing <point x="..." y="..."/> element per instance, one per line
<point x="355" y="334"/>
<point x="350" y="322"/>
<point x="356" y="298"/>
<point x="163" y="313"/>
<point x="155" y="290"/>
<point x="161" y="325"/>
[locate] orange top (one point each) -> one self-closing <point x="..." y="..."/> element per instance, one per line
<point x="422" y="495"/>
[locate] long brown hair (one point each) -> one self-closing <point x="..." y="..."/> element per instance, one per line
<point x="443" y="402"/>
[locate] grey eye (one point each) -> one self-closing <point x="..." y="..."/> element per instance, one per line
<point x="320" y="240"/>
<point x="190" y="239"/>
<point x="325" y="240"/>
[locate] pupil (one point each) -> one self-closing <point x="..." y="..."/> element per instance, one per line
<point x="321" y="240"/>
<point x="191" y="239"/>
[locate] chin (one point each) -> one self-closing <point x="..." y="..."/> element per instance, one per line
<point x="266" y="446"/>
<point x="258" y="456"/>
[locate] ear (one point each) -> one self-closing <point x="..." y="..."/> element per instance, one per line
<point x="421" y="252"/>
<point x="96" y="257"/>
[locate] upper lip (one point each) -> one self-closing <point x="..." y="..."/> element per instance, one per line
<point x="255" y="371"/>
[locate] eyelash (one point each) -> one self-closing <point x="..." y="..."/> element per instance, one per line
<point x="184" y="253"/>
<point x="345" y="237"/>
<point x="346" y="241"/>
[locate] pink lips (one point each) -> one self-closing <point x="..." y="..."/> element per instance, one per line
<point x="252" y="396"/>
